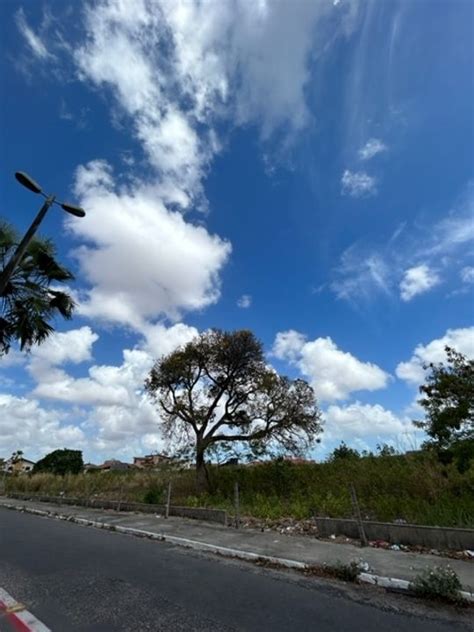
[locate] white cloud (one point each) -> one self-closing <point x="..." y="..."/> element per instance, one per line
<point x="361" y="276"/>
<point x="118" y="416"/>
<point x="13" y="358"/>
<point x="372" y="147"/>
<point x="334" y="374"/>
<point x="26" y="425"/>
<point x="105" y="385"/>
<point x="362" y="420"/>
<point x="245" y="301"/>
<point x="73" y="346"/>
<point x="34" y="41"/>
<point x="358" y="184"/>
<point x="142" y="260"/>
<point x="467" y="274"/>
<point x="460" y="339"/>
<point x="161" y="340"/>
<point x="364" y="271"/>
<point x="175" y="80"/>
<point x="417" y="280"/>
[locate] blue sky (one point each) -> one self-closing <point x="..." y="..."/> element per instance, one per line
<point x="302" y="169"/>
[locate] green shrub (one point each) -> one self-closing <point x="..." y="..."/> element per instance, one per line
<point x="439" y="582"/>
<point x="345" y="572"/>
<point x="153" y="495"/>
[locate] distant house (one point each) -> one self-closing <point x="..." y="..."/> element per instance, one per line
<point x="18" y="466"/>
<point x="113" y="465"/>
<point x="90" y="467"/>
<point x="151" y="461"/>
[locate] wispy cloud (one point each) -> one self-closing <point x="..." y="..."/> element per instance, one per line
<point x="34" y="41"/>
<point x="245" y="301"/>
<point x="372" y="147"/>
<point x="358" y="184"/>
<point x="358" y="277"/>
<point x="413" y="259"/>
<point x="467" y="274"/>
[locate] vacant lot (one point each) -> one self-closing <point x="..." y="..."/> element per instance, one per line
<point x="414" y="487"/>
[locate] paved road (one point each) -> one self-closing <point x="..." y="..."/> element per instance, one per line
<point x="78" y="579"/>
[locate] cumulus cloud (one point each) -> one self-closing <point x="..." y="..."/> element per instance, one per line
<point x="334" y="374"/>
<point x="161" y="340"/>
<point x="117" y="416"/>
<point x="358" y="184"/>
<point x="73" y="346"/>
<point x="363" y="420"/>
<point x="417" y="280"/>
<point x="372" y="147"/>
<point x="460" y="339"/>
<point x="142" y="260"/>
<point x="245" y="301"/>
<point x="26" y="425"/>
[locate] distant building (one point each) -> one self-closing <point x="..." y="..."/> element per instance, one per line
<point x="18" y="466"/>
<point x="113" y="465"/>
<point x="151" y="461"/>
<point x="90" y="467"/>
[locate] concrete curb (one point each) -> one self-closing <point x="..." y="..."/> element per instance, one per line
<point x="391" y="583"/>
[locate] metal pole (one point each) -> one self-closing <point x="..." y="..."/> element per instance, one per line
<point x="20" y="251"/>
<point x="168" y="501"/>
<point x="237" y="505"/>
<point x="358" y="517"/>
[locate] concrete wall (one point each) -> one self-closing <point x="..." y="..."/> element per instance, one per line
<point x="197" y="513"/>
<point x="432" y="537"/>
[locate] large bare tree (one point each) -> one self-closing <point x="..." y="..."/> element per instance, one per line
<point x="219" y="390"/>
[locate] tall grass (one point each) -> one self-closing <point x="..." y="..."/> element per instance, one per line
<point x="415" y="488"/>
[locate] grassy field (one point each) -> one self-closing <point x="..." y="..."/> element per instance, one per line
<point x="415" y="488"/>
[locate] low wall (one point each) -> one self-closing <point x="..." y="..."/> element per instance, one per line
<point x="432" y="537"/>
<point x="197" y="513"/>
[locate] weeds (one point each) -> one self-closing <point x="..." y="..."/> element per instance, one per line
<point x="343" y="572"/>
<point x="415" y="488"/>
<point x="440" y="583"/>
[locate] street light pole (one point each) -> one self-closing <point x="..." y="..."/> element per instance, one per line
<point x="30" y="184"/>
<point x="20" y="251"/>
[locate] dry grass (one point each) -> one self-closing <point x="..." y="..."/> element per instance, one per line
<point x="415" y="488"/>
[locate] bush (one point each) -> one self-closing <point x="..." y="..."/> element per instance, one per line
<point x="343" y="452"/>
<point x="440" y="582"/>
<point x="60" y="462"/>
<point x="344" y="572"/>
<point x="153" y="495"/>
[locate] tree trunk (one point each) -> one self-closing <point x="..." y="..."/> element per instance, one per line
<point x="202" y="477"/>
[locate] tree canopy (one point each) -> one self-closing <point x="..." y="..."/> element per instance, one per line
<point x="30" y="300"/>
<point x="448" y="401"/>
<point x="60" y="462"/>
<point x="218" y="390"/>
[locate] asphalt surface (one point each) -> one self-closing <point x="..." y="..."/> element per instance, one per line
<point x="78" y="579"/>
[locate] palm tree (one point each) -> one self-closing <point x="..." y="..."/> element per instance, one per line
<point x="30" y="300"/>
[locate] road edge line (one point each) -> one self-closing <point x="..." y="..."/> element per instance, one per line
<point x="21" y="618"/>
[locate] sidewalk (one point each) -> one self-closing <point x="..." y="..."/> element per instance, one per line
<point x="292" y="551"/>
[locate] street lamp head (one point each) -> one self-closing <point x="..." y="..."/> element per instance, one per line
<point x="24" y="179"/>
<point x="74" y="210"/>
